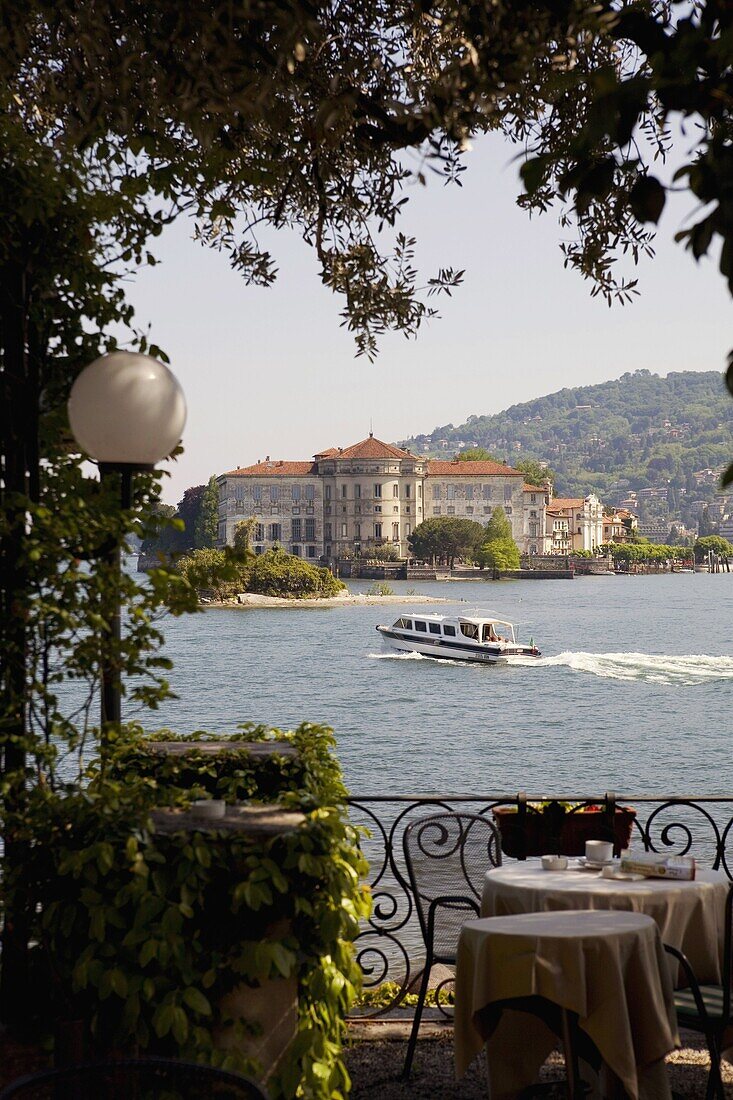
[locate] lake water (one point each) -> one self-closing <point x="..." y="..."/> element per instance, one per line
<point x="634" y="691"/>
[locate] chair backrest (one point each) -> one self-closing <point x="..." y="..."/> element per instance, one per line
<point x="447" y="856"/>
<point x="134" y="1079"/>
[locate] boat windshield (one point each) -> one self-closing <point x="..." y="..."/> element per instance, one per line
<point x="497" y="632"/>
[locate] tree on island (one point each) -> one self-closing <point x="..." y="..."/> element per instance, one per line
<point x="206" y="527"/>
<point x="442" y="539"/>
<point x="499" y="550"/>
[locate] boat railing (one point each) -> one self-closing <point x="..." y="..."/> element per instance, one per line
<point x="389" y="946"/>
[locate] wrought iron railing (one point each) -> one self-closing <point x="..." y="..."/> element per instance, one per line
<point x="390" y="946"/>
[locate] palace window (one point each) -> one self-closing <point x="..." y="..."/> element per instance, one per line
<point x="450" y="491"/>
<point x="343" y="492"/>
<point x="328" y="492"/>
<point x="274" y="493"/>
<point x="377" y="530"/>
<point x="436" y="492"/>
<point x="436" y="511"/>
<point x="239" y="491"/>
<point x="296" y="551"/>
<point x="395" y="532"/>
<point x="377" y="490"/>
<point x="327" y="530"/>
<point x="357" y="492"/>
<point x="259" y="532"/>
<point x="344" y="530"/>
<point x="311" y="551"/>
<point x="309" y="492"/>
<point x="357" y="531"/>
<point x="507" y="492"/>
<point x="295" y="526"/>
<point x="469" y="492"/>
<point x="295" y="492"/>
<point x="450" y="510"/>
<point x="486" y="493"/>
<point x="257" y="492"/>
<point x="395" y="490"/>
<point x="274" y="532"/>
<point x="407" y="491"/>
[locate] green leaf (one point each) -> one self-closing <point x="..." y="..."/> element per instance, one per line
<point x="648" y="197"/>
<point x="195" y="999"/>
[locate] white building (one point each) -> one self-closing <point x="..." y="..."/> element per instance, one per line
<point x="348" y="499"/>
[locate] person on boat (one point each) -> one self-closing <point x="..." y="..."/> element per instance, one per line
<point x="490" y="634"/>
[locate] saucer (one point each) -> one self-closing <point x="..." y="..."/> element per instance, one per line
<point x="595" y="864"/>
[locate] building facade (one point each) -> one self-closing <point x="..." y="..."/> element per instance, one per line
<point x="349" y="500"/>
<point x="574" y="523"/>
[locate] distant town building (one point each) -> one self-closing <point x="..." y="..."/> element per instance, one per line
<point x="346" y="501"/>
<point x="619" y="526"/>
<point x="584" y="530"/>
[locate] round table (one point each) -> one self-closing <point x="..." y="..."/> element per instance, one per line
<point x="690" y="915"/>
<point x="607" y="968"/>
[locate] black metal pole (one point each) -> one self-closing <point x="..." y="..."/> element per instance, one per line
<point x="111" y="687"/>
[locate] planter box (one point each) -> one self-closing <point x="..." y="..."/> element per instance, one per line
<point x="560" y="831"/>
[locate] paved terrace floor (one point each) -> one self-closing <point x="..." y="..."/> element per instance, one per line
<point x="377" y="1050"/>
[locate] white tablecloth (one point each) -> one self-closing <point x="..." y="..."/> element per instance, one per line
<point x="690" y="915"/>
<point x="609" y="968"/>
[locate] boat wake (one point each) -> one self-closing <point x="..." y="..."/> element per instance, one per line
<point x="649" y="668"/>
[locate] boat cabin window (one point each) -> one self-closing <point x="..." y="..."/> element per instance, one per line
<point x="422" y="627"/>
<point x="434" y="628"/>
<point x="490" y="634"/>
<point x="449" y="630"/>
<point x="403" y="624"/>
<point x="469" y="630"/>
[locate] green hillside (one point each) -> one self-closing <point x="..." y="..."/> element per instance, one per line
<point x="639" y="431"/>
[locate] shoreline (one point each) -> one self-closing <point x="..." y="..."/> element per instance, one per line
<point x="251" y="600"/>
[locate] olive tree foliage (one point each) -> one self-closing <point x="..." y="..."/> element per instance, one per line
<point x="317" y="115"/>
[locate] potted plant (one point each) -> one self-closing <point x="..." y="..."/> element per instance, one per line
<point x="537" y="828"/>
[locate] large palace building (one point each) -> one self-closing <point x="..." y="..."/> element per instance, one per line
<point x="350" y="499"/>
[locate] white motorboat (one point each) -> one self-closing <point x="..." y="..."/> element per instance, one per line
<point x="458" y="638"/>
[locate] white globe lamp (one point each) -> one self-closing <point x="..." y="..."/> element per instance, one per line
<point x="127" y="411"/>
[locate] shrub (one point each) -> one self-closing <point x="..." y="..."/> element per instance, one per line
<point x="276" y="573"/>
<point x="140" y="936"/>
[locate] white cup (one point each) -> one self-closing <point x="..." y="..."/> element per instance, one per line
<point x="209" y="807"/>
<point x="598" y="851"/>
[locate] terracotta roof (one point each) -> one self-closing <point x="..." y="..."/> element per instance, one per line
<point x="534" y="489"/>
<point x="274" y="469"/>
<point x="373" y="448"/>
<point x="328" y="453"/>
<point x="470" y="469"/>
<point x="568" y="502"/>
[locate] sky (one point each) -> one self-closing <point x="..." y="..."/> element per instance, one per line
<point x="269" y="371"/>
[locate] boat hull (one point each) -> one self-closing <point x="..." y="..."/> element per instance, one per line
<point x="458" y="650"/>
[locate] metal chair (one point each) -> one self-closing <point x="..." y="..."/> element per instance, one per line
<point x="134" y="1079"/>
<point x="447" y="856"/>
<point x="707" y="1008"/>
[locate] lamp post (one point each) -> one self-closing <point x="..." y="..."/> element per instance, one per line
<point x="127" y="412"/>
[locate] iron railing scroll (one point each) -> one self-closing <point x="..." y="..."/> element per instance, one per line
<point x="390" y="947"/>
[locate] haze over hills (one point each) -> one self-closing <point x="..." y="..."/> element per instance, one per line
<point x="639" y="431"/>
